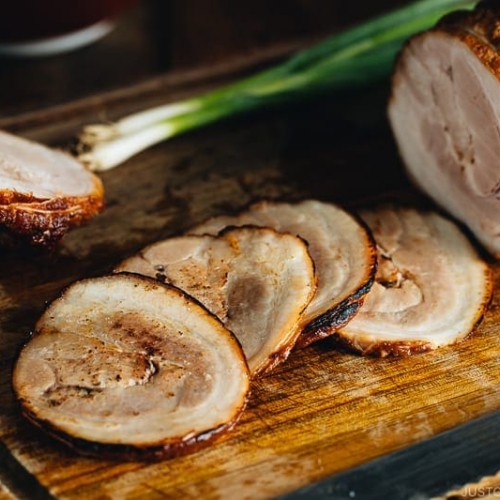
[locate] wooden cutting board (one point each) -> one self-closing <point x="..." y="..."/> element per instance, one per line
<point x="321" y="412"/>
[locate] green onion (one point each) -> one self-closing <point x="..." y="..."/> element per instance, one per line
<point x="356" y="57"/>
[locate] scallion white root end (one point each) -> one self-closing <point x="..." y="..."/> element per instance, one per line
<point x="96" y="133"/>
<point x="108" y="154"/>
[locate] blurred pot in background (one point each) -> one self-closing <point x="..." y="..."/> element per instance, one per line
<point x="47" y="27"/>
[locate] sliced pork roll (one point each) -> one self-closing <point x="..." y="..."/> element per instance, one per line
<point x="125" y="366"/>
<point x="445" y="115"/>
<point x="44" y="192"/>
<point x="431" y="287"/>
<point x="256" y="280"/>
<point x="343" y="252"/>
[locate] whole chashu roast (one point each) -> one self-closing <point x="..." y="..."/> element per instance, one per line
<point x="445" y="115"/>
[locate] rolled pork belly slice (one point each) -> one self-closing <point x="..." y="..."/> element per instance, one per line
<point x="256" y="280"/>
<point x="44" y="192"/>
<point x="431" y="288"/>
<point x="123" y="366"/>
<point x="342" y="249"/>
<point x="444" y="112"/>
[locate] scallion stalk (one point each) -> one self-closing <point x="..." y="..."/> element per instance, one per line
<point x="356" y="57"/>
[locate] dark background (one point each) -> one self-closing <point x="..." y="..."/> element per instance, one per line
<point x="161" y="36"/>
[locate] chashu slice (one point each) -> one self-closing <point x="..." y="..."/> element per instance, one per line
<point x="431" y="287"/>
<point x="127" y="367"/>
<point x="444" y="112"/>
<point x="256" y="280"/>
<point x="342" y="249"/>
<point x="44" y="192"/>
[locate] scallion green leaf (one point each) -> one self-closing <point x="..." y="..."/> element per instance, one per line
<point x="356" y="57"/>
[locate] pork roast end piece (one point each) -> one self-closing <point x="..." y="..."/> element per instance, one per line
<point x="431" y="288"/>
<point x="444" y="112"/>
<point x="123" y="366"/>
<point x="44" y="192"/>
<point x="256" y="280"/>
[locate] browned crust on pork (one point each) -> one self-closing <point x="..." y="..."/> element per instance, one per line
<point x="337" y="317"/>
<point x="44" y="222"/>
<point x="382" y="349"/>
<point x="328" y="323"/>
<point x="479" y="30"/>
<point x="165" y="451"/>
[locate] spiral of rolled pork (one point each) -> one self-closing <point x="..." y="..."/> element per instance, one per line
<point x="431" y="289"/>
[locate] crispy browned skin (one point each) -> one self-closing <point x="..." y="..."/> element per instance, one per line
<point x="122" y="452"/>
<point x="479" y="30"/>
<point x="45" y="222"/>
<point x="328" y="323"/>
<point x="44" y="192"/>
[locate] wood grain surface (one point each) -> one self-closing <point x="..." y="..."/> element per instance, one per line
<point x="321" y="412"/>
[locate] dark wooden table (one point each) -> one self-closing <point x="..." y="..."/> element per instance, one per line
<point x="163" y="36"/>
<point x="323" y="411"/>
